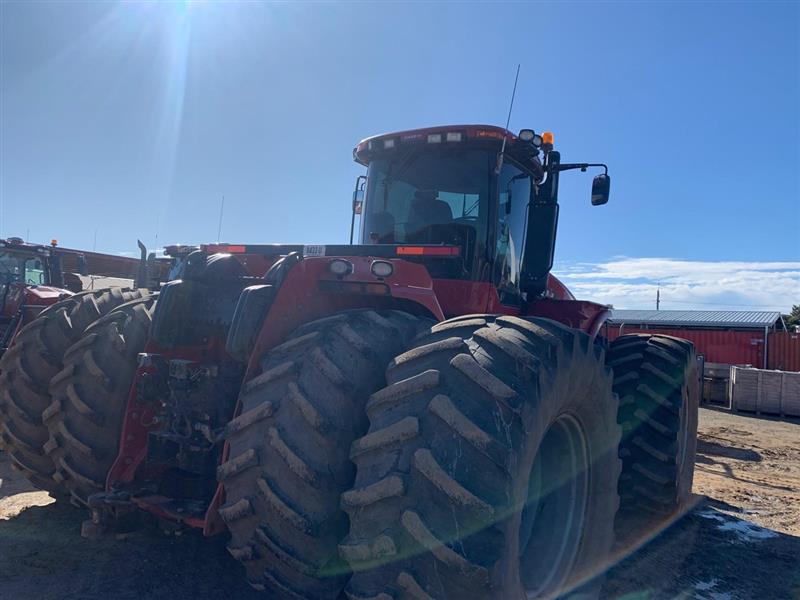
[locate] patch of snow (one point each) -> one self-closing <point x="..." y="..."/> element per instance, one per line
<point x="744" y="531"/>
<point x="710" y="514"/>
<point x="704" y="586"/>
<point x="707" y="586"/>
<point x="747" y="532"/>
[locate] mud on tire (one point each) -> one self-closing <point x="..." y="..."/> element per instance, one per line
<point x="490" y="467"/>
<point x="89" y="396"/>
<point x="288" y="460"/>
<point x="25" y="372"/>
<point x="656" y="379"/>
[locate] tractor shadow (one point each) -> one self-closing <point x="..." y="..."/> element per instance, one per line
<point x="708" y="448"/>
<point x="43" y="557"/>
<point x="708" y="554"/>
<point x="714" y="455"/>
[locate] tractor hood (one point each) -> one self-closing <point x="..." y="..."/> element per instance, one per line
<point x="44" y="294"/>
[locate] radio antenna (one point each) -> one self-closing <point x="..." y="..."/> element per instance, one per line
<point x="508" y="122"/>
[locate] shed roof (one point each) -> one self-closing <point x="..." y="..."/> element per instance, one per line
<point x="742" y="319"/>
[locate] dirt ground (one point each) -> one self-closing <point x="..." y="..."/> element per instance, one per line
<point x="741" y="540"/>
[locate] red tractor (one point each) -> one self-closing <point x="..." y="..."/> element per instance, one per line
<point x="31" y="278"/>
<point x="426" y="414"/>
<point x="34" y="276"/>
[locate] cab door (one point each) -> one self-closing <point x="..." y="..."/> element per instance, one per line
<point x="514" y="192"/>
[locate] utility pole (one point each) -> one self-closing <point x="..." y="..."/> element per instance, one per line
<point x="221" y="211"/>
<point x="658" y="297"/>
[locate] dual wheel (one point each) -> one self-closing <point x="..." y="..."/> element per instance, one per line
<point x="484" y="462"/>
<point x="26" y="370"/>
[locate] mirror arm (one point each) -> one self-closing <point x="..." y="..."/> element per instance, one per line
<point x="581" y="166"/>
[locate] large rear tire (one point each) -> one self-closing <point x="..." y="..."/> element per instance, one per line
<point x="288" y="461"/>
<point x="89" y="397"/>
<point x="25" y="372"/>
<point x="656" y="379"/>
<point x="490" y="467"/>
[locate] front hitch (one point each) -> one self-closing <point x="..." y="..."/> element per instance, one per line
<point x="112" y="513"/>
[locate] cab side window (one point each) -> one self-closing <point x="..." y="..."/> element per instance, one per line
<point x="34" y="272"/>
<point x="514" y="194"/>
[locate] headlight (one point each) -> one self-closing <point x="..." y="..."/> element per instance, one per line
<point x="381" y="268"/>
<point x="340" y="267"/>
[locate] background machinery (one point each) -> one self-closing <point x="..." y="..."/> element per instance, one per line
<point x="34" y="276"/>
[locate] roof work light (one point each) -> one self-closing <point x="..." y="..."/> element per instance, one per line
<point x="529" y="135"/>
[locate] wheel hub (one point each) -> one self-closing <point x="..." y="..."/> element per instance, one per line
<point x="551" y="526"/>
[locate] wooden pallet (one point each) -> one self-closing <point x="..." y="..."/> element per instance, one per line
<point x="768" y="392"/>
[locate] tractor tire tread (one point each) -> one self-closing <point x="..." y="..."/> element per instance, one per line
<point x="655" y="377"/>
<point x="90" y="394"/>
<point x="293" y="462"/>
<point x="25" y="372"/>
<point x="466" y="417"/>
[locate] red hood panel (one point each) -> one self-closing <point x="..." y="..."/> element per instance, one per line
<point x="44" y="292"/>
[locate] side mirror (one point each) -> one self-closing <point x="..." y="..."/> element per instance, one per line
<point x="601" y="187"/>
<point x="358" y="201"/>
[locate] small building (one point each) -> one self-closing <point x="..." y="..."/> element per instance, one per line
<point x="722" y="336"/>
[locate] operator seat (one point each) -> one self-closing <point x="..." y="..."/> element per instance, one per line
<point x="425" y="212"/>
<point x="380" y="228"/>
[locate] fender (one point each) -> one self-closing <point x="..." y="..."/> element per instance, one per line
<point x="310" y="291"/>
<point x="578" y="314"/>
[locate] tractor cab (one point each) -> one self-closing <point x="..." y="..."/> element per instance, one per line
<point x="487" y="191"/>
<point x="24" y="263"/>
<point x="26" y="270"/>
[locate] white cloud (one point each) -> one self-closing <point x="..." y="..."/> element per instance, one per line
<point x="704" y="285"/>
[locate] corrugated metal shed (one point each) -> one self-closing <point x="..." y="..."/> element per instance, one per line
<point x="740" y="319"/>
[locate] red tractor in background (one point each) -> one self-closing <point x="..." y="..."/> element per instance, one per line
<point x="34" y="276"/>
<point x="31" y="278"/>
<point x="426" y="414"/>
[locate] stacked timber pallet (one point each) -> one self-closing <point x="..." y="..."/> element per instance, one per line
<point x="761" y="391"/>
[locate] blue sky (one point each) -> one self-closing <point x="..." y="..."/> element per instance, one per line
<point x="134" y="119"/>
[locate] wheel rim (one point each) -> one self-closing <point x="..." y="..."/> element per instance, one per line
<point x="552" y="520"/>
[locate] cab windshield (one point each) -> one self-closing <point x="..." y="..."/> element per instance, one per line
<point x="436" y="196"/>
<point x="22" y="268"/>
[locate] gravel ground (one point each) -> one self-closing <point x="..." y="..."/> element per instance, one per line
<point x="740" y="540"/>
